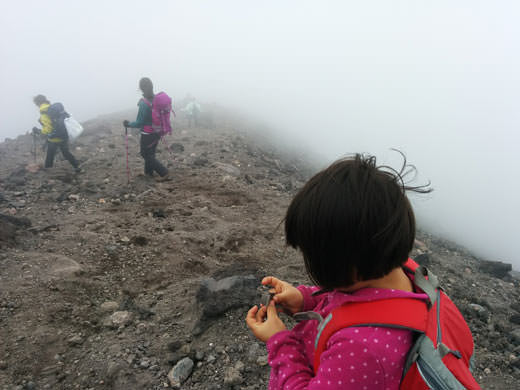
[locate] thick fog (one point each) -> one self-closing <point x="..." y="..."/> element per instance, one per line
<point x="438" y="80"/>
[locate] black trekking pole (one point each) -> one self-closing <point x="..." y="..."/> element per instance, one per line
<point x="127" y="167"/>
<point x="34" y="147"/>
<point x="35" y="131"/>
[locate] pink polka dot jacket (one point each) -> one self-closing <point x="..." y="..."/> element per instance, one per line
<point x="361" y="358"/>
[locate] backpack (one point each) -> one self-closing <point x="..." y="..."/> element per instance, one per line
<point x="161" y="109"/>
<point x="57" y="114"/>
<point x="441" y="357"/>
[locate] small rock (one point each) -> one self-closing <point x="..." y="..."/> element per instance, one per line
<point x="232" y="375"/>
<point x="101" y="201"/>
<point x="230" y="169"/>
<point x="199" y="355"/>
<point x="139" y="240"/>
<point x="112" y="250"/>
<point x="477" y="308"/>
<point x="480" y="311"/>
<point x="74" y="197"/>
<point x="75" y="340"/>
<point x="125" y="239"/>
<point x="253" y="352"/>
<point x="32" y="168"/>
<point x="180" y="372"/>
<point x="421" y="245"/>
<point x="177" y="148"/>
<point x="120" y="319"/>
<point x="515" y="319"/>
<point x="262" y="361"/>
<point x="116" y="201"/>
<point x="200" y="162"/>
<point x="159" y="213"/>
<point x="248" y="179"/>
<point x="141" y="327"/>
<point x="515" y="336"/>
<point x="515" y="363"/>
<point x="106" y="181"/>
<point x="29" y="386"/>
<point x="113" y="369"/>
<point x="487" y="371"/>
<point x="109" y="306"/>
<point x="3" y="364"/>
<point x="174" y="345"/>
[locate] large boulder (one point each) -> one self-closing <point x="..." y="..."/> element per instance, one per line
<point x="497" y="269"/>
<point x="216" y="297"/>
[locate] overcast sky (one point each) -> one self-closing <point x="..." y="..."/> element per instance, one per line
<point x="438" y="80"/>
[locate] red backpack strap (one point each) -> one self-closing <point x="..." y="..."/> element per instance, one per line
<point x="423" y="279"/>
<point x="410" y="266"/>
<point x="405" y="313"/>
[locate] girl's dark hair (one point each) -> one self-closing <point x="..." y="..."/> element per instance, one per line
<point x="146" y="85"/>
<point x="353" y="221"/>
<point x="40" y="99"/>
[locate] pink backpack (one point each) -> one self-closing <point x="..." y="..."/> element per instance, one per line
<point x="161" y="110"/>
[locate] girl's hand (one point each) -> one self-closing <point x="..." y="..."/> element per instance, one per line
<point x="261" y="327"/>
<point x="286" y="295"/>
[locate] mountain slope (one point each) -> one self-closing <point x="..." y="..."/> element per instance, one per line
<point x="102" y="281"/>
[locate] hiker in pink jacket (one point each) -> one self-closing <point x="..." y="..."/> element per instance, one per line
<point x="355" y="228"/>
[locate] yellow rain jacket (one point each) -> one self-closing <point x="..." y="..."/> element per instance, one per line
<point x="46" y="122"/>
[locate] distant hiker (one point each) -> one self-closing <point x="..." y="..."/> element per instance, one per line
<point x="52" y="119"/>
<point x="192" y="110"/>
<point x="355" y="228"/>
<point x="154" y="122"/>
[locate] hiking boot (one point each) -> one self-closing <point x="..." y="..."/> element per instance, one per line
<point x="167" y="177"/>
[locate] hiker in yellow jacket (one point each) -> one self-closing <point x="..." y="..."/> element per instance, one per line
<point x="56" y="133"/>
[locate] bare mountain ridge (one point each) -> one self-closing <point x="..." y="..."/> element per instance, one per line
<point x="105" y="285"/>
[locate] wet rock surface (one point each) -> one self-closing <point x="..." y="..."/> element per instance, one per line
<point x="111" y="279"/>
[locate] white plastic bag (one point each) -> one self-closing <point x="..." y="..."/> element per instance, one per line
<point x="74" y="128"/>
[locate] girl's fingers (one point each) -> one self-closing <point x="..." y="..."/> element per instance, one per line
<point x="251" y="316"/>
<point x="271" y="310"/>
<point x="272" y="281"/>
<point x="280" y="297"/>
<point x="260" y="314"/>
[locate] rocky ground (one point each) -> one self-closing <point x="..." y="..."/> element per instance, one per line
<point x="106" y="284"/>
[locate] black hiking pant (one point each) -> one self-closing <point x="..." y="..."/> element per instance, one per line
<point x="149" y="144"/>
<point x="52" y="148"/>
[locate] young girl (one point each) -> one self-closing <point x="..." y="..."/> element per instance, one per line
<point x="355" y="228"/>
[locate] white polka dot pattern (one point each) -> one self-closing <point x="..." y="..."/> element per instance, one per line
<point x="368" y="358"/>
